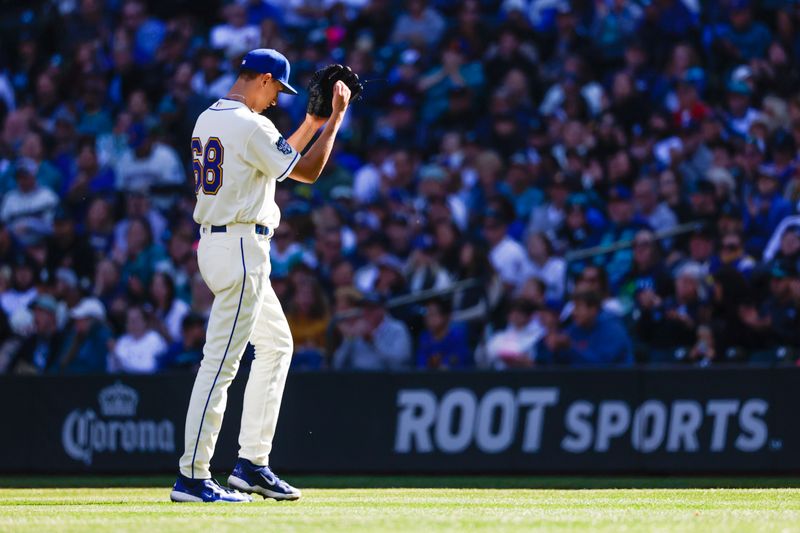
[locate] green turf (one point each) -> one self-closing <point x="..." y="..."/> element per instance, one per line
<point x="413" y="509"/>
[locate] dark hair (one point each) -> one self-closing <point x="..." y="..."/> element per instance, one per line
<point x="87" y="141"/>
<point x="146" y="225"/>
<point x="247" y="74"/>
<point x="590" y="298"/>
<point x="523" y="306"/>
<point x="192" y="320"/>
<point x="169" y="282"/>
<point x="602" y="276"/>
<point x="445" y="305"/>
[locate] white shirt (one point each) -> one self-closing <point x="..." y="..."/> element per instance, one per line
<point x="137" y="356"/>
<point x="253" y="158"/>
<point x="235" y="40"/>
<point x="173" y="320"/>
<point x="513" y="343"/>
<point x="552" y="273"/>
<point x="35" y="207"/>
<point x="216" y="88"/>
<point x="12" y="300"/>
<point x="161" y="167"/>
<point x="509" y="260"/>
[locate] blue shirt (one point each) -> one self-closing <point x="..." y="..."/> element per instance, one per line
<point x="90" y="356"/>
<point x="606" y="343"/>
<point x="451" y="351"/>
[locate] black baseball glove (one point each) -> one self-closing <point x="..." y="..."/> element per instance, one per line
<point x="320" y="88"/>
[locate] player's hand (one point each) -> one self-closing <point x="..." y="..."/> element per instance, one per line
<point x="341" y="97"/>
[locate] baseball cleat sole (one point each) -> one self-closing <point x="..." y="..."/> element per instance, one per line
<point x="182" y="497"/>
<point x="242" y="486"/>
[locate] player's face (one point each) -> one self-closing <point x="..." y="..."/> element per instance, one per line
<point x="267" y="93"/>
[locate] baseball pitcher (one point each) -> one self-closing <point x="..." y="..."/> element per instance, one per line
<point x="238" y="159"/>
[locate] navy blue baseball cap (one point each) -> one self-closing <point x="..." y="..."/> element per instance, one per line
<point x="264" y="60"/>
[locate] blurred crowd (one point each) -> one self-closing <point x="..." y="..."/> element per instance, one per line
<point x="494" y="139"/>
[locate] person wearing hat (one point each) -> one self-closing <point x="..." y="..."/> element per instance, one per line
<point x="691" y="108"/>
<point x="702" y="245"/>
<point x="23" y="286"/>
<point x="742" y="39"/>
<point x="27" y="210"/>
<point x="39" y="350"/>
<point x="373" y="339"/>
<point x="85" y="341"/>
<point x="656" y="214"/>
<point x="777" y="318"/>
<point x="732" y="254"/>
<point x="673" y="322"/>
<point x="148" y="163"/>
<point x="765" y="208"/>
<point x="239" y="156"/>
<point x="739" y="115"/>
<point x="623" y="226"/>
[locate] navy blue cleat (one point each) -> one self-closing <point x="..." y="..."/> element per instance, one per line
<point x="188" y="490"/>
<point x="256" y="479"/>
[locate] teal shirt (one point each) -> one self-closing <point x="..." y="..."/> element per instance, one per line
<point x="143" y="266"/>
<point x="90" y="357"/>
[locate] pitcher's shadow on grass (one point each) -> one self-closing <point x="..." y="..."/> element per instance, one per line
<point x="413" y="481"/>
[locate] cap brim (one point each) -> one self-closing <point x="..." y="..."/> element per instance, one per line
<point x="288" y="88"/>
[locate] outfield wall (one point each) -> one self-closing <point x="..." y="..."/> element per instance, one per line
<point x="728" y="420"/>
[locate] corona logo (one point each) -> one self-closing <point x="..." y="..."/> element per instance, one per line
<point x="84" y="434"/>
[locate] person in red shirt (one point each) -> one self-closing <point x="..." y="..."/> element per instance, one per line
<point x="691" y="108"/>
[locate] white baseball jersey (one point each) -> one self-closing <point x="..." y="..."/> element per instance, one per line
<point x="238" y="156"/>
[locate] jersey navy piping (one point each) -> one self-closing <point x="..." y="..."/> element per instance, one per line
<point x="224" y="355"/>
<point x="285" y="172"/>
<point x="229" y="108"/>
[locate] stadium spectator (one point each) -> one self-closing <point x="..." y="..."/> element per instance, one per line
<point x="139" y="349"/>
<point x="672" y="322"/>
<point x="168" y="310"/>
<point x="514" y="346"/>
<point x="86" y="340"/>
<point x="21" y="290"/>
<point x="148" y="163"/>
<point x="542" y="264"/>
<point x="235" y="37"/>
<point x="419" y="25"/>
<point x="508" y="257"/>
<point x="27" y="209"/>
<point x="623" y="226"/>
<point x="38" y="351"/>
<point x="442" y="344"/>
<point x="648" y="208"/>
<point x="186" y="353"/>
<point x="373" y="340"/>
<point x="594" y="338"/>
<point x="308" y="317"/>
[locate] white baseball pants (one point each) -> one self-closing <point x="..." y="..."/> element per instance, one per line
<point x="235" y="266"/>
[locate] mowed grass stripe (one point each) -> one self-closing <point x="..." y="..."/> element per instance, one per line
<point x="426" y="510"/>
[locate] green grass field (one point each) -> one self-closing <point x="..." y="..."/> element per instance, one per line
<point x="428" y="504"/>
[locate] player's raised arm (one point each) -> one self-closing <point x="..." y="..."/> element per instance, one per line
<point x="310" y="165"/>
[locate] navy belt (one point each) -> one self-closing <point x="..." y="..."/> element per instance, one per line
<point x="260" y="230"/>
